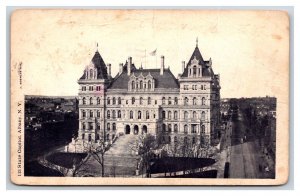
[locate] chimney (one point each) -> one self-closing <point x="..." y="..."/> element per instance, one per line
<point x="129" y="66"/>
<point x="109" y="69"/>
<point x="120" y="68"/>
<point x="183" y="66"/>
<point x="162" y="66"/>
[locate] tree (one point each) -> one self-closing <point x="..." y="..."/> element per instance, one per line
<point x="97" y="151"/>
<point x="77" y="164"/>
<point x="143" y="147"/>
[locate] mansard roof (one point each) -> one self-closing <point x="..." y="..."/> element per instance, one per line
<point x="206" y="69"/>
<point x="99" y="64"/>
<point x="167" y="80"/>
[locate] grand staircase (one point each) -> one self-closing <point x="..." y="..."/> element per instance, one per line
<point x="120" y="160"/>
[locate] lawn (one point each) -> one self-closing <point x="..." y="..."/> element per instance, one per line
<point x="65" y="159"/>
<point x="174" y="164"/>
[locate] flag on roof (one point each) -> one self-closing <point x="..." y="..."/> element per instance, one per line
<point x="153" y="53"/>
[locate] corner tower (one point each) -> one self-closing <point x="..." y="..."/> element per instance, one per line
<point x="200" y="98"/>
<point x="92" y="91"/>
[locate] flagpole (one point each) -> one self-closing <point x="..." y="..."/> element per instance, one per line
<point x="145" y="59"/>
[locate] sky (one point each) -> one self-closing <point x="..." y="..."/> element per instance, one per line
<point x="249" y="49"/>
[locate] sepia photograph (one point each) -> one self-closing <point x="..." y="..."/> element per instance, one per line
<point x="149" y="97"/>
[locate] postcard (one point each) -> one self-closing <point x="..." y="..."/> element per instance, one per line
<point x="149" y="97"/>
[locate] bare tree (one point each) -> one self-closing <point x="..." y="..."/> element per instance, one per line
<point x="143" y="147"/>
<point x="77" y="165"/>
<point x="97" y="151"/>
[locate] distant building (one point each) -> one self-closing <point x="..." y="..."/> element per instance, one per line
<point x="138" y="101"/>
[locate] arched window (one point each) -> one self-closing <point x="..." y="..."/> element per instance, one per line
<point x="119" y="114"/>
<point x="108" y="101"/>
<point x="132" y="85"/>
<point x="194" y="115"/>
<point x="193" y="140"/>
<point x="147" y="115"/>
<point x="194" y="71"/>
<point x="98" y="100"/>
<point x="194" y="101"/>
<point x="114" y="126"/>
<point x="169" y="127"/>
<point x="186" y="115"/>
<point x="169" y="114"/>
<point x="202" y="115"/>
<point x="164" y="128"/>
<point x="186" y="101"/>
<point x="83" y="113"/>
<point x="83" y="101"/>
<point x="141" y="84"/>
<point x="132" y="100"/>
<point x="163" y="114"/>
<point x="98" y="113"/>
<point x="131" y="115"/>
<point x="185" y="140"/>
<point x="91" y="127"/>
<point x="169" y="101"/>
<point x="149" y="84"/>
<point x="141" y="100"/>
<point x="91" y="114"/>
<point x="202" y="129"/>
<point x="139" y="115"/>
<point x="175" y="101"/>
<point x="83" y="126"/>
<point x="203" y="101"/>
<point x="108" y="126"/>
<point x="175" y="115"/>
<point x="119" y="100"/>
<point x="113" y="100"/>
<point x="91" y="73"/>
<point x="185" y="128"/>
<point x="175" y="139"/>
<point x="91" y="101"/>
<point x="175" y="128"/>
<point x="90" y="138"/>
<point x="108" y="114"/>
<point x="163" y="100"/>
<point x="97" y="137"/>
<point x="113" y="114"/>
<point x="149" y="100"/>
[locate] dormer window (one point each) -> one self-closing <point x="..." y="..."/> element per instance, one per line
<point x="194" y="71"/>
<point x="141" y="84"/>
<point x="91" y="73"/>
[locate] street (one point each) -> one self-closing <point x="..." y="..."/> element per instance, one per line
<point x="244" y="158"/>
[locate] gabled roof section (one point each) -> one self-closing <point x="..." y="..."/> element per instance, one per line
<point x="206" y="69"/>
<point x="99" y="64"/>
<point x="196" y="54"/>
<point x="167" y="80"/>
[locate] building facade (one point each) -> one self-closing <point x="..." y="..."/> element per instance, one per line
<point x="138" y="101"/>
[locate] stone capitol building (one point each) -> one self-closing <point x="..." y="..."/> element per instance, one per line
<point x="138" y="101"/>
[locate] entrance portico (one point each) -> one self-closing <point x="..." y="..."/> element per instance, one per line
<point x="137" y="129"/>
